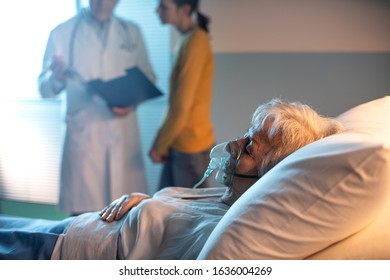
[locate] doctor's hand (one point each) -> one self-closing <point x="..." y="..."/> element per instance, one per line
<point x="121" y="111"/>
<point x="59" y="68"/>
<point x="119" y="207"/>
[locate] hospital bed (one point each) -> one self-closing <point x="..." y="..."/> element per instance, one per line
<point x="328" y="200"/>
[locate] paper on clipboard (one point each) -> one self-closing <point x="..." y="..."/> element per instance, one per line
<point x="125" y="91"/>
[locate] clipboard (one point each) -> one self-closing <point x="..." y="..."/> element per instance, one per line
<point x="129" y="90"/>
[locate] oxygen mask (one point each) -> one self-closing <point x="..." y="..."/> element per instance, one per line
<point x="219" y="158"/>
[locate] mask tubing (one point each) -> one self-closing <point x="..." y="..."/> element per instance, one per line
<point x="205" y="175"/>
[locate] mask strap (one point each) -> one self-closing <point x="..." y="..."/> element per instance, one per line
<point x="236" y="162"/>
<point x="246" y="176"/>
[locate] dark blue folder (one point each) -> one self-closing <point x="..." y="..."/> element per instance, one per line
<point x="125" y="91"/>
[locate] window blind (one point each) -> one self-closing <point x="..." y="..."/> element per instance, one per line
<point x="30" y="147"/>
<point x="30" y="127"/>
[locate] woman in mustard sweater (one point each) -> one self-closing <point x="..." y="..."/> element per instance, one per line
<point x="186" y="136"/>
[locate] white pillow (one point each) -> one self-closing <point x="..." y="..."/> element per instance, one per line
<point x="372" y="242"/>
<point x="319" y="195"/>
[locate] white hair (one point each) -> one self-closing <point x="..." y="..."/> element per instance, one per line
<point x="289" y="126"/>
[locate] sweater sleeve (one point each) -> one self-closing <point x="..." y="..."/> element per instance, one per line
<point x="191" y="61"/>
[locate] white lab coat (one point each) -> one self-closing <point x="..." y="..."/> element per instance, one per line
<point x="102" y="157"/>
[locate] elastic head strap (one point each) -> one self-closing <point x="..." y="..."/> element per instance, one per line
<point x="246" y="176"/>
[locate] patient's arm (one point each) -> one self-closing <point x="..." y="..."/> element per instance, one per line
<point x="121" y="206"/>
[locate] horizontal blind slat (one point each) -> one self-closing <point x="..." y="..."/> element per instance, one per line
<point x="30" y="149"/>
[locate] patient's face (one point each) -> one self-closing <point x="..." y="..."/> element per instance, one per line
<point x="246" y="154"/>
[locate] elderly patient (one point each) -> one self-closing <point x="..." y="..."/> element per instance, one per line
<point x="176" y="222"/>
<point x="278" y="128"/>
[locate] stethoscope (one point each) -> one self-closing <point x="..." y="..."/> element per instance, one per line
<point x="73" y="39"/>
<point x="129" y="44"/>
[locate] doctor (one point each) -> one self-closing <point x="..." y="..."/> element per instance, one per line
<point x="101" y="157"/>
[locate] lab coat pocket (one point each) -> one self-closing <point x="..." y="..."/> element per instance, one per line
<point x="78" y="133"/>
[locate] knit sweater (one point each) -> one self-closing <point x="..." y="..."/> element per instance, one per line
<point x="187" y="126"/>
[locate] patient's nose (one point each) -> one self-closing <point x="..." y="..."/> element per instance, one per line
<point x="233" y="148"/>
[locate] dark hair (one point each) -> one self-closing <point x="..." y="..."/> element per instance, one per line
<point x="203" y="20"/>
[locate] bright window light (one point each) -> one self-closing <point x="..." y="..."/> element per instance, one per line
<point x="24" y="27"/>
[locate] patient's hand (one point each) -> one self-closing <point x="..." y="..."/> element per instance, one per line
<point x="119" y="207"/>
